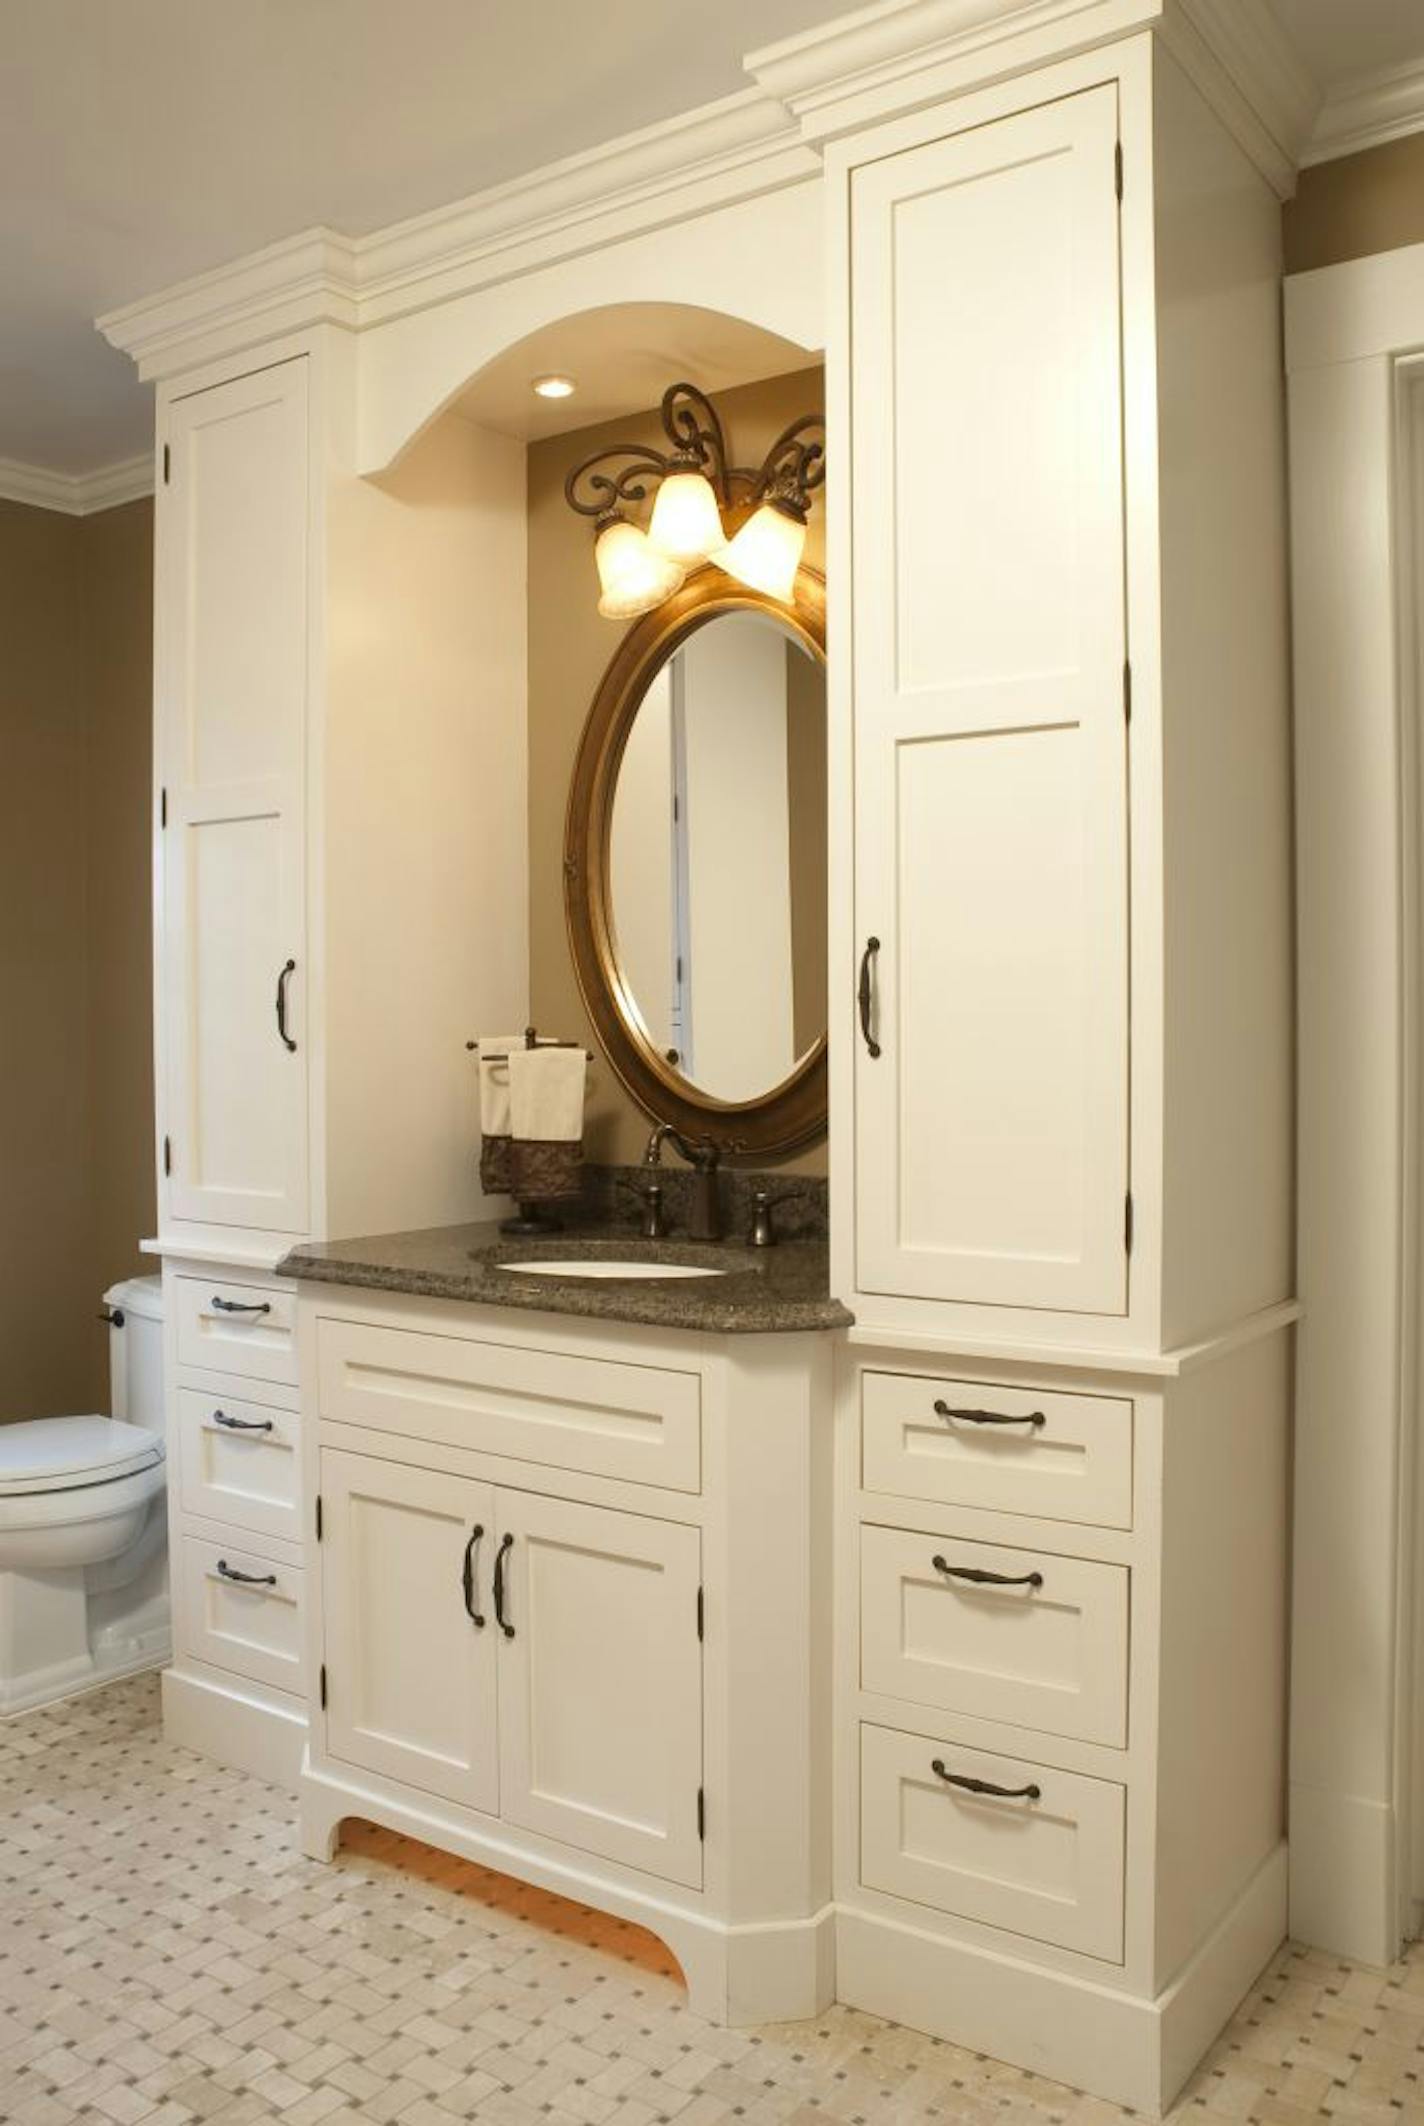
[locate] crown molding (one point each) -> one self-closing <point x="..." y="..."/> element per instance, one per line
<point x="899" y="54"/>
<point x="1253" y="77"/>
<point x="76" y="494"/>
<point x="1367" y="110"/>
<point x="742" y="145"/>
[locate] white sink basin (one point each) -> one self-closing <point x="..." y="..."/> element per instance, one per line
<point x="605" y="1266"/>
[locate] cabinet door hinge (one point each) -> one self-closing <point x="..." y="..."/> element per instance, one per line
<point x="701" y="1814"/>
<point x="701" y="1615"/>
<point x="321" y="1684"/>
<point x="167" y="465"/>
<point x="168" y="1155"/>
<point x="1127" y="1224"/>
<point x="318" y="1516"/>
<point x="1127" y="690"/>
<point x="163" y="808"/>
<point x="1117" y="169"/>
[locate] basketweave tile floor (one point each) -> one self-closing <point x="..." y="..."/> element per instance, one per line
<point x="167" y="1955"/>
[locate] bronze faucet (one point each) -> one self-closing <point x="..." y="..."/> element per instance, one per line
<point x="704" y="1203"/>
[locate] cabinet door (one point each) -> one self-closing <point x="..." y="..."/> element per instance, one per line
<point x="410" y="1671"/>
<point x="232" y="690"/>
<point x="989" y="728"/>
<point x="600" y="1682"/>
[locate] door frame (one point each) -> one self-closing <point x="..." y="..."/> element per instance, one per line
<point x="1355" y="359"/>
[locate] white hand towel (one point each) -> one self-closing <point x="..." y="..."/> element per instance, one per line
<point x="495" y="1052"/>
<point x="546" y="1100"/>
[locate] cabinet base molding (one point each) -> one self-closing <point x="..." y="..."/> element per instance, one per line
<point x="783" y="1971"/>
<point x="1125" y="2050"/>
<point x="235" y="1726"/>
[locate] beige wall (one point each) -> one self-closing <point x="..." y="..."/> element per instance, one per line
<point x="76" y="1098"/>
<point x="1358" y="205"/>
<point x="569" y="647"/>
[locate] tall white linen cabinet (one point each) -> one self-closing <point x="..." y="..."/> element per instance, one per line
<point x="1038" y="241"/>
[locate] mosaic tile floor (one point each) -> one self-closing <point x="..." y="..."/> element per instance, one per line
<point x="167" y="1955"/>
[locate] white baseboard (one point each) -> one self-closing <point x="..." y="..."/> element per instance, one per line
<point x="1110" y="2044"/>
<point x="234" y="1726"/>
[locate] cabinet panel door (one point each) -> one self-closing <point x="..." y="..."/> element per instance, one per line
<point x="600" y="1682"/>
<point x="990" y="738"/>
<point x="410" y="1673"/>
<point x="232" y="683"/>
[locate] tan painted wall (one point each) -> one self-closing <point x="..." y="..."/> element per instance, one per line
<point x="76" y="1095"/>
<point x="1356" y="206"/>
<point x="569" y="647"/>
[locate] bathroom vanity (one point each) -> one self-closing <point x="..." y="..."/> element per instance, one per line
<point x="1019" y="1780"/>
<point x="569" y="1584"/>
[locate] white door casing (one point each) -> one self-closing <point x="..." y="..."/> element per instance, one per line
<point x="989" y="726"/>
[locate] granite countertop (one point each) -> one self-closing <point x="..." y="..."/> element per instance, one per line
<point x="760" y="1290"/>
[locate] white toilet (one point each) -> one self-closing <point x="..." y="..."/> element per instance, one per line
<point x="83" y="1525"/>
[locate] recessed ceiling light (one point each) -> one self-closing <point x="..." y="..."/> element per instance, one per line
<point x="554" y="387"/>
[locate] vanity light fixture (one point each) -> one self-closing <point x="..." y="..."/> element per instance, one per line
<point x="697" y="490"/>
<point x="554" y="387"/>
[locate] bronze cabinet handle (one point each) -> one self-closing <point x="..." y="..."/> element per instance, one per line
<point x="467" y="1576"/>
<point x="499" y="1616"/>
<point x="245" y="1579"/>
<point x="241" y="1424"/>
<point x="865" y="996"/>
<point x="282" y="980"/>
<point x="980" y="1578"/>
<point x="1035" y="1418"/>
<point x="984" y="1786"/>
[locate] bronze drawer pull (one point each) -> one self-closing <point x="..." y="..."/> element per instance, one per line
<point x="984" y="1786"/>
<point x="1035" y="1418"/>
<point x="977" y="1574"/>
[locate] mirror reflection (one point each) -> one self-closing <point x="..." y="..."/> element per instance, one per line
<point x="717" y="856"/>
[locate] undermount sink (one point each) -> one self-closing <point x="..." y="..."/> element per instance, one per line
<point x="608" y="1266"/>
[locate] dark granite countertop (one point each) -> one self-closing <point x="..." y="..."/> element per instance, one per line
<point x="760" y="1290"/>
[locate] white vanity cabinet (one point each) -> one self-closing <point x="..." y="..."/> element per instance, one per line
<point x="569" y="1614"/>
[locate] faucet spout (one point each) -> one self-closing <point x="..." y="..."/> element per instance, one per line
<point x="703" y="1155"/>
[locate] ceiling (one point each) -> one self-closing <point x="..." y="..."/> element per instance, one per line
<point x="145" y="141"/>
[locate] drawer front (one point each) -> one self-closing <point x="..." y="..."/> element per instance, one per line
<point x="1051" y="1655"/>
<point x="253" y="1625"/>
<point x="1051" y="1457"/>
<point x="594" y="1415"/>
<point x="248" y="1329"/>
<point x="1046" y="1865"/>
<point x="239" y="1461"/>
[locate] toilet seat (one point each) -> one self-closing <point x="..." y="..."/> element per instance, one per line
<point x="71" y="1453"/>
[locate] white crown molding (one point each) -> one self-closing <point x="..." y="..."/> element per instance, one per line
<point x="742" y="145"/>
<point x="899" y="54"/>
<point x="1252" y="75"/>
<point x="1367" y="110"/>
<point x="76" y="494"/>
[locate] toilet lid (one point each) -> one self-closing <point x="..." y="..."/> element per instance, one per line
<point x="61" y="1453"/>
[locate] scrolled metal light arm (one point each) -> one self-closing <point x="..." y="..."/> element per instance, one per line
<point x="792" y="469"/>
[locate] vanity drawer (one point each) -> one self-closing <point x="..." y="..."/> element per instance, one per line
<point x="640" y="1423"/>
<point x="1048" y="1865"/>
<point x="239" y="1461"/>
<point x="249" y="1329"/>
<point x="1051" y="1656"/>
<point x="252" y="1625"/>
<point x="1050" y="1456"/>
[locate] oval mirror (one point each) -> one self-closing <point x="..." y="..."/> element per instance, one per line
<point x="695" y="863"/>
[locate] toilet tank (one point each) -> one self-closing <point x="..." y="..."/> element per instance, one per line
<point x="136" y="1352"/>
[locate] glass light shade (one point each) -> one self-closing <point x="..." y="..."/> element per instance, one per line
<point x="766" y="552"/>
<point x="632" y="575"/>
<point x="686" y="523"/>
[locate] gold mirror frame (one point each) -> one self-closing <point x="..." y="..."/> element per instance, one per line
<point x="789" y="1115"/>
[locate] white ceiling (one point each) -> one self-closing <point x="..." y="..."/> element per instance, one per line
<point x="145" y="140"/>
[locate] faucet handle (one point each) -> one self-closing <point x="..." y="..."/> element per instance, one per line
<point x="762" y="1232"/>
